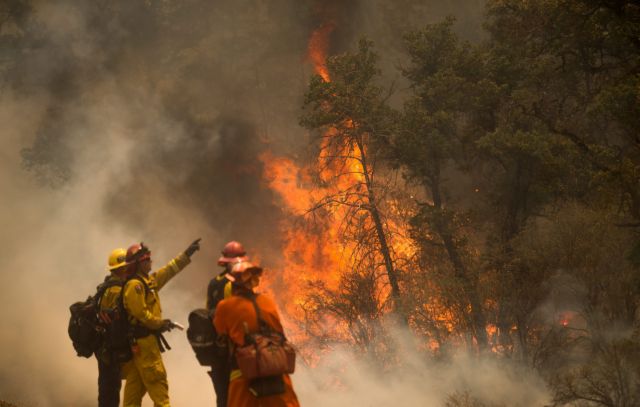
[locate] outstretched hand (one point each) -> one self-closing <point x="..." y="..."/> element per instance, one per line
<point x="193" y="247"/>
<point x="168" y="325"/>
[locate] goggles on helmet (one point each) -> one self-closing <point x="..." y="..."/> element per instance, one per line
<point x="141" y="255"/>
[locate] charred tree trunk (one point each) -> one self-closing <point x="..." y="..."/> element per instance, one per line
<point x="392" y="273"/>
<point x="469" y="285"/>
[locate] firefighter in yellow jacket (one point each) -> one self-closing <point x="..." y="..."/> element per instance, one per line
<point x="146" y="372"/>
<point x="109" y="381"/>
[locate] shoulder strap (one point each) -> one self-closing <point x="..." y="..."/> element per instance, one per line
<point x="262" y="324"/>
<point x="124" y="284"/>
<point x="137" y="277"/>
<point x="102" y="288"/>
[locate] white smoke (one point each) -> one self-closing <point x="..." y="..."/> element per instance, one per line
<point x="344" y="379"/>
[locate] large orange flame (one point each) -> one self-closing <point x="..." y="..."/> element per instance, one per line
<point x="319" y="47"/>
<point x="317" y="251"/>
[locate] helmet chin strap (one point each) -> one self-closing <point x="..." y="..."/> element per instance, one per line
<point x="139" y="269"/>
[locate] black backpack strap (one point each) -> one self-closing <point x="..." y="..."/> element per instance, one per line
<point x="263" y="327"/>
<point x="144" y="283"/>
<point x="124" y="284"/>
<point x="102" y="288"/>
<point x="121" y="307"/>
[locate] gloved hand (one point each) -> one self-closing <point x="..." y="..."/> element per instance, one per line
<point x="193" y="247"/>
<point x="167" y="325"/>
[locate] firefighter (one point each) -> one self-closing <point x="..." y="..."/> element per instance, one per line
<point x="235" y="316"/>
<point x="109" y="379"/>
<point x="145" y="372"/>
<point x="218" y="289"/>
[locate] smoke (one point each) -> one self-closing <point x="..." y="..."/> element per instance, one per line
<point x="142" y="121"/>
<point x="345" y="380"/>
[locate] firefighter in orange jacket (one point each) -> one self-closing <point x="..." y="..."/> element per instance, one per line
<point x="235" y="316"/>
<point x="146" y="372"/>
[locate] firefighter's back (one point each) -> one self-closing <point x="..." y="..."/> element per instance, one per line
<point x="232" y="316"/>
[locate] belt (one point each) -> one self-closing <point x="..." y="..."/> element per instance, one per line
<point x="139" y="331"/>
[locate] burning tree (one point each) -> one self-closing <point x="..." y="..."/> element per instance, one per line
<point x="510" y="196"/>
<point x="351" y="112"/>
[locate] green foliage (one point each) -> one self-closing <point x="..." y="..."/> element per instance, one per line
<point x="350" y="102"/>
<point x="540" y="121"/>
<point x="572" y="69"/>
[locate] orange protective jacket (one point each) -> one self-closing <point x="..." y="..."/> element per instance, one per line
<point x="231" y="315"/>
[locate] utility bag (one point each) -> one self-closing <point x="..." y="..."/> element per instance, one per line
<point x="203" y="338"/>
<point x="266" y="353"/>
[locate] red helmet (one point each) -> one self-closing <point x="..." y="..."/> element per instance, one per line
<point x="232" y="251"/>
<point x="137" y="253"/>
<point x="242" y="271"/>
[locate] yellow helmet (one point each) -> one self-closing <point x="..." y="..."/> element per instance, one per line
<point x="117" y="259"/>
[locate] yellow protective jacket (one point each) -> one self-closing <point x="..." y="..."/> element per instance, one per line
<point x="111" y="295"/>
<point x="142" y="305"/>
<point x="109" y="303"/>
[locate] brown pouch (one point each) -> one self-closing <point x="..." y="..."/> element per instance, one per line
<point x="266" y="355"/>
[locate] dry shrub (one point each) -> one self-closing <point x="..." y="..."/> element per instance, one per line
<point x="465" y="399"/>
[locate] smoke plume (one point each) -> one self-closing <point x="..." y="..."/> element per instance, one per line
<point x="134" y="121"/>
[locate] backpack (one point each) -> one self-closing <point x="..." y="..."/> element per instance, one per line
<point x="203" y="338"/>
<point x="119" y="333"/>
<point x="85" y="330"/>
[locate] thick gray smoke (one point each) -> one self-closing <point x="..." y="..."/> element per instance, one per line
<point x="143" y="120"/>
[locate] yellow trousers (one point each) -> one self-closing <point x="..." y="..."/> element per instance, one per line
<point x="146" y="373"/>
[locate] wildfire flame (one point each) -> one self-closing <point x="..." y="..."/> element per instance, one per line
<point x="311" y="253"/>
<point x="316" y="251"/>
<point x="567" y="319"/>
<point x="319" y="47"/>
